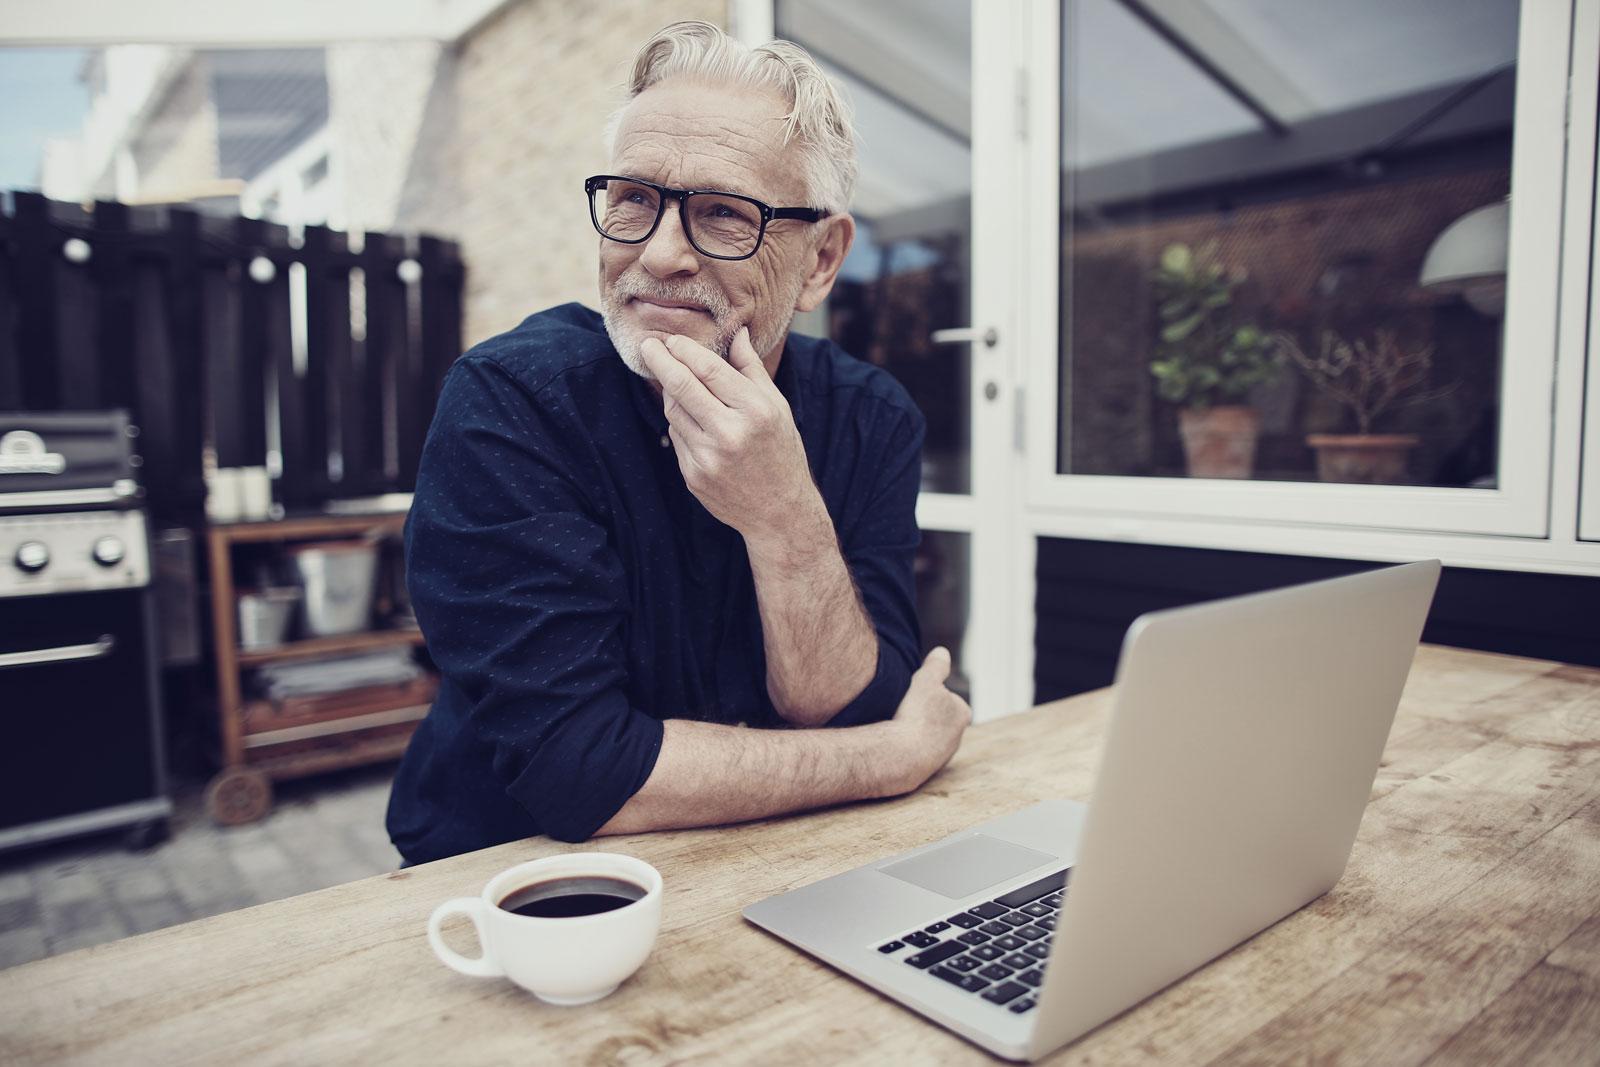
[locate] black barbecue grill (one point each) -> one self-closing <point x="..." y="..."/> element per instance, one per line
<point x="82" y="748"/>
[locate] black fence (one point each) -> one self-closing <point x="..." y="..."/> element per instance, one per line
<point x="224" y="332"/>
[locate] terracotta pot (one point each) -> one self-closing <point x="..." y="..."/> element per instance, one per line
<point x="1364" y="458"/>
<point x="1220" y="442"/>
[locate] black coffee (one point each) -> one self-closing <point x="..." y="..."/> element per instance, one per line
<point x="563" y="898"/>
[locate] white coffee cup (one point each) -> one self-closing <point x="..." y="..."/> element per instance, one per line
<point x="566" y="959"/>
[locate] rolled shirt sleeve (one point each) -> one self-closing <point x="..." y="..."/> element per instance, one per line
<point x="522" y="607"/>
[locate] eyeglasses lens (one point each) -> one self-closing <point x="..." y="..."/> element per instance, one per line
<point x="717" y="224"/>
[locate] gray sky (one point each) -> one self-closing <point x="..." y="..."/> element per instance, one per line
<point x="43" y="99"/>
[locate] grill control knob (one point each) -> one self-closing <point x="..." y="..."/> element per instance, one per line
<point x="32" y="557"/>
<point x="109" y="551"/>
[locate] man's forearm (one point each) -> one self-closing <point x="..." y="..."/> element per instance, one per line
<point x="820" y="644"/>
<point x="709" y="774"/>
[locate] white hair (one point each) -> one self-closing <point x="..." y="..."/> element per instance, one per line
<point x="819" y="119"/>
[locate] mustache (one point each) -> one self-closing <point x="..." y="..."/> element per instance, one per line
<point x="688" y="290"/>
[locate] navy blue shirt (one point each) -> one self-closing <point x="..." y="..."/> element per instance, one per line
<point x="575" y="594"/>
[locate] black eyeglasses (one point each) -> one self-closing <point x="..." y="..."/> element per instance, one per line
<point x="718" y="225"/>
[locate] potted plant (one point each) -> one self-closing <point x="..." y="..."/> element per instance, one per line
<point x="1208" y="361"/>
<point x="1369" y="378"/>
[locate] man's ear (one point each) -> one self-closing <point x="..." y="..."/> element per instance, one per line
<point x="838" y="235"/>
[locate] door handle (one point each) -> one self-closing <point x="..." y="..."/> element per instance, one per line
<point x="63" y="654"/>
<point x="965" y="335"/>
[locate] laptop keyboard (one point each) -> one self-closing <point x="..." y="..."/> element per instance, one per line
<point x="995" y="950"/>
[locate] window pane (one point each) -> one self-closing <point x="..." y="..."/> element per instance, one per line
<point x="1294" y="208"/>
<point x="907" y="72"/>
<point x="943" y="569"/>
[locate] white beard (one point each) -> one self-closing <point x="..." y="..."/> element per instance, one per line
<point x="626" y="337"/>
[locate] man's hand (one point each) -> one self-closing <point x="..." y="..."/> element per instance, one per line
<point x="735" y="437"/>
<point x="931" y="719"/>
<point x="742" y="457"/>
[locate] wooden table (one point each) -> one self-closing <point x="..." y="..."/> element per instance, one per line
<point x="1466" y="930"/>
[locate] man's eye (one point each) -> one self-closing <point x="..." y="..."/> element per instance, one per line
<point x="725" y="212"/>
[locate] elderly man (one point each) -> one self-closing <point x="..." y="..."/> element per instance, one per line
<point x="656" y="550"/>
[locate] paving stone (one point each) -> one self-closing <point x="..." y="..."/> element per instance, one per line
<point x="155" y="913"/>
<point x="203" y="874"/>
<point x="319" y="848"/>
<point x="112" y="929"/>
<point x="61" y="883"/>
<point x="75" y="924"/>
<point x="15" y="885"/>
<point x="16" y="914"/>
<point x="22" y="945"/>
<point x="271" y="874"/>
<point x="142" y="880"/>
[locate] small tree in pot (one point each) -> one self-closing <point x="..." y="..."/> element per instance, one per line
<point x="1208" y="361"/>
<point x="1369" y="379"/>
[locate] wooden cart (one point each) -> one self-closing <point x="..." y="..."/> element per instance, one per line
<point x="265" y="740"/>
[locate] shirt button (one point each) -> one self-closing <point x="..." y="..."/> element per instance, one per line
<point x="666" y="442"/>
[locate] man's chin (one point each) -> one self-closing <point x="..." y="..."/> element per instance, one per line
<point x="634" y="361"/>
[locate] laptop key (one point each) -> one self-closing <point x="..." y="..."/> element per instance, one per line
<point x="963" y="964"/>
<point x="973" y="937"/>
<point x="1025" y="1004"/>
<point x="1005" y="991"/>
<point x="1010" y="942"/>
<point x="1018" y="961"/>
<point x="1048" y="922"/>
<point x="965" y="921"/>
<point x="892" y="946"/>
<point x="920" y="939"/>
<point x="986" y="952"/>
<point x="995" y="929"/>
<point x="995" y="971"/>
<point x="989" y="910"/>
<point x="1033" y="890"/>
<point x="1038" y="950"/>
<point x="937" y="954"/>
<point x="970" y="982"/>
<point x="1037" y="909"/>
<point x="1034" y="977"/>
<point x="1016" y="918"/>
<point x="934" y="928"/>
<point x="1032" y="933"/>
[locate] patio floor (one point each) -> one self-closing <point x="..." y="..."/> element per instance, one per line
<point x="322" y="831"/>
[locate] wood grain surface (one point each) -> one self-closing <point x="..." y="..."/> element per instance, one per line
<point x="1466" y="929"/>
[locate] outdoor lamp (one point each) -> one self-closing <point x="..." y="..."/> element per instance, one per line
<point x="1469" y="258"/>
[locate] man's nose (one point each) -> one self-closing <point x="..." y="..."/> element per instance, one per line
<point x="668" y="250"/>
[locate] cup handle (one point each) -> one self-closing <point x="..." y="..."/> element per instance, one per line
<point x="472" y="907"/>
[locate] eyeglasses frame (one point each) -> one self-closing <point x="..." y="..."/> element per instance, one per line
<point x="768" y="213"/>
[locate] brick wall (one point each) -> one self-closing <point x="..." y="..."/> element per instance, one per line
<point x="177" y="147"/>
<point x="378" y="96"/>
<point x="533" y="88"/>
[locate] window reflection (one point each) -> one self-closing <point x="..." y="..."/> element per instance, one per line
<point x="906" y="70"/>
<point x="943" y="567"/>
<point x="1335" y="175"/>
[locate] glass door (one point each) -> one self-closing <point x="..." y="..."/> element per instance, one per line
<point x="906" y="300"/>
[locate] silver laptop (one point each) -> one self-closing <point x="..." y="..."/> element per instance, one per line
<point x="1244" y="738"/>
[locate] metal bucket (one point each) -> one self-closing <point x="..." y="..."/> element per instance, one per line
<point x="337" y="578"/>
<point x="264" y="616"/>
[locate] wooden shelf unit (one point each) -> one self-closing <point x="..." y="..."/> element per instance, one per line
<point x="263" y="740"/>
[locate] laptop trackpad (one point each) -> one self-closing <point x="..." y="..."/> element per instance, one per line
<point x="967" y="865"/>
